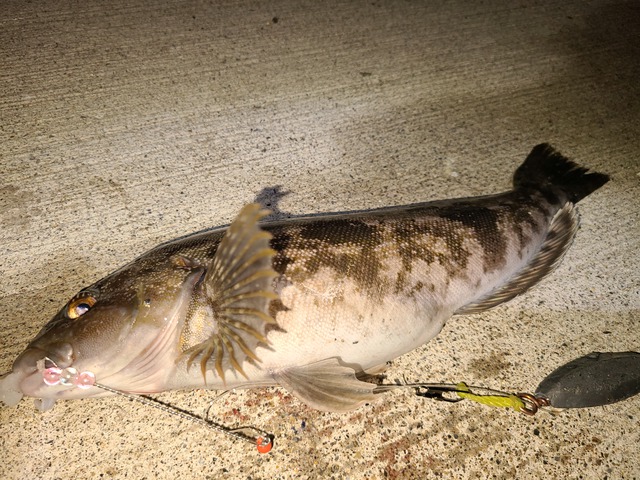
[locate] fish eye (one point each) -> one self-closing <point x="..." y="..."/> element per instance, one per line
<point x="80" y="305"/>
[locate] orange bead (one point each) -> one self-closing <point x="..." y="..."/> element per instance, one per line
<point x="264" y="444"/>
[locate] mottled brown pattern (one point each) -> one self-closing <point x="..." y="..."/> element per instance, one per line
<point x="483" y="225"/>
<point x="280" y="243"/>
<point x="525" y="220"/>
<point x="348" y="246"/>
<point x="423" y="239"/>
<point x="358" y="246"/>
<point x="276" y="306"/>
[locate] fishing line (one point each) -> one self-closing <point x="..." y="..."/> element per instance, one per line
<point x="53" y="375"/>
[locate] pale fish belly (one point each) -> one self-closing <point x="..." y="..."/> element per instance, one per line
<point x="331" y="317"/>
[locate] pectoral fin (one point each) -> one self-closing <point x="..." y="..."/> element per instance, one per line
<point x="326" y="385"/>
<point x="230" y="309"/>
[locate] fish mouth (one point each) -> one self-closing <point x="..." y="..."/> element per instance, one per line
<point x="27" y="379"/>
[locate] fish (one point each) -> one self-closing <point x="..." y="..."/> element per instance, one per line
<point x="312" y="304"/>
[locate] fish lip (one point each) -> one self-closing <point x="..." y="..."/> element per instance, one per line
<point x="26" y="379"/>
<point x="30" y="383"/>
<point x="60" y="355"/>
<point x="16" y="385"/>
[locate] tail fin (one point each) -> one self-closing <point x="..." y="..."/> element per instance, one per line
<point x="547" y="169"/>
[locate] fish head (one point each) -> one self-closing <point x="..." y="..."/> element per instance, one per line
<point x="121" y="332"/>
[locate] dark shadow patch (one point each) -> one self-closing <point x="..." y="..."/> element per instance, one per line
<point x="269" y="198"/>
<point x="490" y="366"/>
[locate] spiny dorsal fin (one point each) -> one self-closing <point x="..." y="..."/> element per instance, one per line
<point x="561" y="232"/>
<point x="229" y="314"/>
<point x="326" y="385"/>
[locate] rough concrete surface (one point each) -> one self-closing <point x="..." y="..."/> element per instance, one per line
<point x="124" y="124"/>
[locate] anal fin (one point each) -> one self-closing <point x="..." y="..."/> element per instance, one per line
<point x="326" y="385"/>
<point x="562" y="230"/>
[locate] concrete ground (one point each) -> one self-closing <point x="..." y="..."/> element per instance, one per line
<point x="124" y="124"/>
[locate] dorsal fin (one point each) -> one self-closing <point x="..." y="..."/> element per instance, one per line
<point x="230" y="310"/>
<point x="562" y="230"/>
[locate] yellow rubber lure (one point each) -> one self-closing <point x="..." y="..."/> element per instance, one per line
<point x="498" y="400"/>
